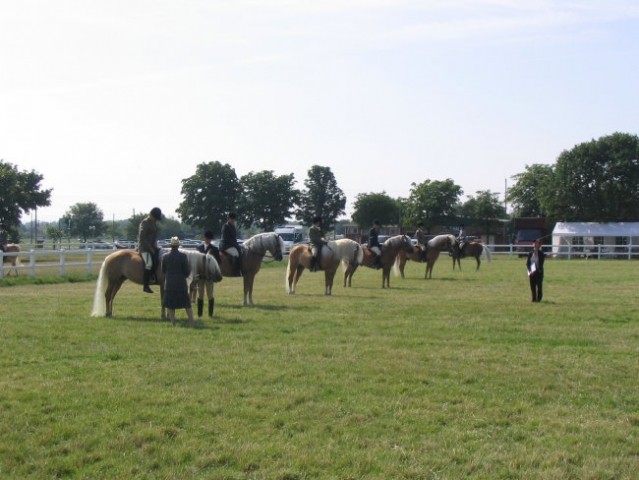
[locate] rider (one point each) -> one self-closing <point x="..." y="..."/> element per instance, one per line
<point x="148" y="244"/>
<point x="373" y="243"/>
<point x="206" y="247"/>
<point x="4" y="237"/>
<point x="420" y="236"/>
<point x="229" y="244"/>
<point x="461" y="238"/>
<point x="316" y="237"/>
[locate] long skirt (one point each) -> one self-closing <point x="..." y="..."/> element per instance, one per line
<point x="176" y="299"/>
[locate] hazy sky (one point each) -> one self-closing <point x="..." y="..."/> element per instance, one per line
<point x="115" y="102"/>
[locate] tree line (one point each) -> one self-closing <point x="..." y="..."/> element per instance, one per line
<point x="594" y="181"/>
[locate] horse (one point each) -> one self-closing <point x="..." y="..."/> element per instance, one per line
<point x="437" y="244"/>
<point x="345" y="251"/>
<point x="470" y="249"/>
<point x="122" y="265"/>
<point x="253" y="251"/>
<point x="391" y="249"/>
<point x="14" y="260"/>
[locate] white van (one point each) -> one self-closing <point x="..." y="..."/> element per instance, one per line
<point x="291" y="234"/>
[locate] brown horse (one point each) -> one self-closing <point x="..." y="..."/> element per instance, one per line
<point x="12" y="259"/>
<point x="253" y="252"/>
<point x="344" y="250"/>
<point x="391" y="249"/>
<point x="470" y="249"/>
<point x="123" y="265"/>
<point x="437" y="244"/>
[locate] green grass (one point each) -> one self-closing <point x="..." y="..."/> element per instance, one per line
<point x="460" y="376"/>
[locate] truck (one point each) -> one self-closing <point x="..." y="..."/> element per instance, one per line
<point x="527" y="230"/>
<point x="291" y="234"/>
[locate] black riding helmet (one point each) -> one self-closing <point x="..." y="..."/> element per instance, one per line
<point x="156" y="213"/>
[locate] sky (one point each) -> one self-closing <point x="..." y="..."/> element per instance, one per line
<point x="116" y="102"/>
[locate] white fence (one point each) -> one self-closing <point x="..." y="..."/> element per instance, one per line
<point x="91" y="259"/>
<point x="34" y="260"/>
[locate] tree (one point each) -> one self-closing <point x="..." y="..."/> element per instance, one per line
<point x="20" y="192"/>
<point x="597" y="181"/>
<point x="431" y="202"/>
<point x="209" y="196"/>
<point x="371" y="206"/>
<point x="86" y="221"/>
<point x="529" y="190"/>
<point x="322" y="197"/>
<point x="55" y="233"/>
<point x="485" y="209"/>
<point x="267" y="200"/>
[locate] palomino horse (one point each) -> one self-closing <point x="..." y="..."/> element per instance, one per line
<point x="123" y="265"/>
<point x="470" y="249"/>
<point x="437" y="244"/>
<point x="391" y="249"/>
<point x="253" y="251"/>
<point x="12" y="259"/>
<point x="344" y="250"/>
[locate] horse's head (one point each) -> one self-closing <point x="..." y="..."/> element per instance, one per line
<point x="278" y="247"/>
<point x="262" y="243"/>
<point x="407" y="243"/>
<point x="212" y="268"/>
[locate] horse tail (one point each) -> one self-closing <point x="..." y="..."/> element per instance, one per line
<point x="487" y="253"/>
<point x="396" y="270"/>
<point x="291" y="254"/>
<point x="359" y="254"/>
<point x="99" y="300"/>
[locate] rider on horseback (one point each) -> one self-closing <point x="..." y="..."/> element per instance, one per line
<point x="420" y="236"/>
<point x="373" y="243"/>
<point x="148" y="245"/>
<point x="229" y="244"/>
<point x="316" y="237"/>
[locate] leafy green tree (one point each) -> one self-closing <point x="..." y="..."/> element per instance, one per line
<point x="485" y="209"/>
<point x="209" y="195"/>
<point x="529" y="190"/>
<point x="133" y="225"/>
<point x="431" y="202"/>
<point x="371" y="206"/>
<point x="322" y="197"/>
<point x="267" y="200"/>
<point x="86" y="221"/>
<point x="596" y="181"/>
<point x="20" y="192"/>
<point x="55" y="234"/>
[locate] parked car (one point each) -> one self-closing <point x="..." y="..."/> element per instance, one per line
<point x="121" y="243"/>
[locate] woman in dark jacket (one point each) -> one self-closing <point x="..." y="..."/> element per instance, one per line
<point x="176" y="269"/>
<point x="535" y="267"/>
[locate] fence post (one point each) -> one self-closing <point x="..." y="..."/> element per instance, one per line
<point x="1" y="264"/>
<point x="32" y="263"/>
<point x="62" y="262"/>
<point x="89" y="261"/>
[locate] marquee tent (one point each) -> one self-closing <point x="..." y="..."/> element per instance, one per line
<point x="566" y="234"/>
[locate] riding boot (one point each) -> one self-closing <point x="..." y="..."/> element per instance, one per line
<point x="146" y="278"/>
<point x="237" y="266"/>
<point x="211" y="306"/>
<point x="200" y="307"/>
<point x="313" y="264"/>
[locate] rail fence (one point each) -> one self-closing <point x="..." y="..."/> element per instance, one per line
<point x="59" y="262"/>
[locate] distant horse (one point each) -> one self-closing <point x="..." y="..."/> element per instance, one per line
<point x="123" y="265"/>
<point x="344" y="250"/>
<point x="12" y="259"/>
<point x="253" y="251"/>
<point x="437" y="244"/>
<point x="470" y="249"/>
<point x="391" y="249"/>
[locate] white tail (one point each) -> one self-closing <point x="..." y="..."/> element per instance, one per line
<point x="99" y="300"/>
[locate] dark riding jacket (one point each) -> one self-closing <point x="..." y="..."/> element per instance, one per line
<point x="373" y="238"/>
<point x="229" y="237"/>
<point x="148" y="235"/>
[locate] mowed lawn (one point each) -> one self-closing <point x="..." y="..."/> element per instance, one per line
<point x="456" y="377"/>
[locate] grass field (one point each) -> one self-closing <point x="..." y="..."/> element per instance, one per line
<point x="456" y="377"/>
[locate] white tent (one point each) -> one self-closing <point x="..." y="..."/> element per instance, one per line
<point x="588" y="234"/>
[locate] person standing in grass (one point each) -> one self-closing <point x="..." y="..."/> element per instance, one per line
<point x="202" y="284"/>
<point x="176" y="270"/>
<point x="535" y="267"/>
